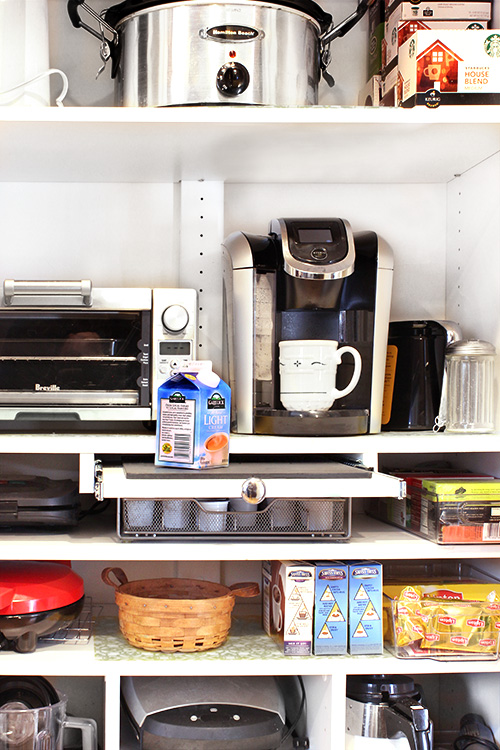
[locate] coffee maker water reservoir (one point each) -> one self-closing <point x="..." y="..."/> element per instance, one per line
<point x="308" y="281"/>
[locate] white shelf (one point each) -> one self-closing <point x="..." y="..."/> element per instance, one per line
<point x="94" y="539"/>
<point x="234" y="144"/>
<point x="143" y="443"/>
<point x="91" y="659"/>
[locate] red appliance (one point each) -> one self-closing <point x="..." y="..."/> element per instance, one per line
<point x="36" y="598"/>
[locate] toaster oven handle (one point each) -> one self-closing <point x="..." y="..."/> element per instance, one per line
<point x="47" y="293"/>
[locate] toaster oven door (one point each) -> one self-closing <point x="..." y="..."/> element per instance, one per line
<point x="79" y="364"/>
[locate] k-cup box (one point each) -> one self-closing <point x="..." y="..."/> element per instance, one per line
<point x="369" y="96"/>
<point x="388" y="85"/>
<point x="331" y="607"/>
<point x="376" y="22"/>
<point x="365" y="608"/>
<point x="397" y="32"/>
<point x="288" y="604"/>
<point x="471" y="10"/>
<point x="193" y="421"/>
<point x="450" y="67"/>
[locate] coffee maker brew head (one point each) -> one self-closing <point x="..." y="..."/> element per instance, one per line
<point x="316" y="249"/>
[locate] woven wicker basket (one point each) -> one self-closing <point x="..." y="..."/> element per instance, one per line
<point x="175" y="614"/>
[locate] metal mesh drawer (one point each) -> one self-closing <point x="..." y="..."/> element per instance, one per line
<point x="284" y="518"/>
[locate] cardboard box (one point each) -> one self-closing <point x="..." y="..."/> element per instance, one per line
<point x="365" y="608"/>
<point x="388" y="85"/>
<point x="397" y="32"/>
<point x="331" y="607"/>
<point x="193" y="421"/>
<point x="376" y="26"/>
<point x="288" y="604"/>
<point x="369" y="96"/>
<point x="458" y="511"/>
<point x="472" y="10"/>
<point x="449" y="67"/>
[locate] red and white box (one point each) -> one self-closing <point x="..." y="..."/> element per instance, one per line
<point x="449" y="67"/>
<point x="397" y="32"/>
<point x="440" y="10"/>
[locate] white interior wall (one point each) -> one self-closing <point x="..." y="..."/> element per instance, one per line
<point x="410" y="218"/>
<point x="114" y="234"/>
<point x="473" y="259"/>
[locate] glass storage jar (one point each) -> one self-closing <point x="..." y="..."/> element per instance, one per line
<point x="469" y="386"/>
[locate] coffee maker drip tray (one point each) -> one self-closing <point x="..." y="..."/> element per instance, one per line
<point x="334" y="422"/>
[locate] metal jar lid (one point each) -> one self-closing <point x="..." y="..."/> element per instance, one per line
<point x="471" y="348"/>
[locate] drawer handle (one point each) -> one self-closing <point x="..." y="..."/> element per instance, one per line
<point x="253" y="490"/>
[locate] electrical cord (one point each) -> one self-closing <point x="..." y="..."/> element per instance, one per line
<point x="99" y="506"/>
<point x="51" y="71"/>
<point x="300" y="712"/>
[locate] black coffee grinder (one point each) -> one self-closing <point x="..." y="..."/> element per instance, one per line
<point x="306" y="279"/>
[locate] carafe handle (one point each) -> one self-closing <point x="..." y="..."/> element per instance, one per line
<point x="410" y="718"/>
<point x="88" y="728"/>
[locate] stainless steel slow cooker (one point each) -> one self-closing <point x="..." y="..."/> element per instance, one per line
<point x="198" y="52"/>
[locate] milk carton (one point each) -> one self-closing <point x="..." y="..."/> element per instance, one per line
<point x="193" y="421"/>
<point x="365" y="608"/>
<point x="288" y="604"/>
<point x="331" y="608"/>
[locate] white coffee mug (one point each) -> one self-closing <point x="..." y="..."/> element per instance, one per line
<point x="308" y="373"/>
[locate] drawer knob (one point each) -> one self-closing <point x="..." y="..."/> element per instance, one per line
<point x="253" y="490"/>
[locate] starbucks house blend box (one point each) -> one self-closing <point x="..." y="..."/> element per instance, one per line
<point x="449" y="66"/>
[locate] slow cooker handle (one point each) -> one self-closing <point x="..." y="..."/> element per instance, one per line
<point x="109" y="47"/>
<point x="118" y="573"/>
<point x="338" y="31"/>
<point x="77" y="22"/>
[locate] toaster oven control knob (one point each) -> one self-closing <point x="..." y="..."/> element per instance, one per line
<point x="175" y="318"/>
<point x="232" y="79"/>
<point x="253" y="490"/>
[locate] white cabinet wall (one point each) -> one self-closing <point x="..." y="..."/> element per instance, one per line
<point x="129" y="197"/>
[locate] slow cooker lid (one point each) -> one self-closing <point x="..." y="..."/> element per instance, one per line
<point x="117" y="12"/>
<point x="31" y="587"/>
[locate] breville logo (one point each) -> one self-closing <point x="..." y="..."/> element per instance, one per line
<point x="52" y="387"/>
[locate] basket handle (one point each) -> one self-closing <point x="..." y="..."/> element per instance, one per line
<point x="117" y="572"/>
<point x="245" y="589"/>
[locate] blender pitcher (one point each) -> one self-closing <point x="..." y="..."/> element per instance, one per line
<point x="42" y="728"/>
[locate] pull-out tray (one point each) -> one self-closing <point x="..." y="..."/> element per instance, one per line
<point x="294" y="478"/>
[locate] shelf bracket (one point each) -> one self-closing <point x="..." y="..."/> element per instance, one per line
<point x="98" y="480"/>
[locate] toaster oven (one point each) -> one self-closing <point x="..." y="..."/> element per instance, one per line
<point x="69" y="351"/>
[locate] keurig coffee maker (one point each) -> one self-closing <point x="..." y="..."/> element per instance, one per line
<point x="306" y="311"/>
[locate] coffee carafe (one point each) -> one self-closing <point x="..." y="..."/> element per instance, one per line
<point x="386" y="712"/>
<point x="325" y="292"/>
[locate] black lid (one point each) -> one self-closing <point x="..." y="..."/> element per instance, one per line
<point x="118" y="12"/>
<point x="29" y="692"/>
<point x="416" y="328"/>
<point x="380" y="688"/>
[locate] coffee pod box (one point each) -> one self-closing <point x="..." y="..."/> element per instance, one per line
<point x="365" y="608"/>
<point x="193" y="421"/>
<point x="331" y="607"/>
<point x="450" y="66"/>
<point x="288" y="604"/>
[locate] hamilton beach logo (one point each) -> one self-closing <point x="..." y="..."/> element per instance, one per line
<point x="231" y="33"/>
<point x="492" y="45"/>
<point x="216" y="401"/>
<point x="52" y="387"/>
